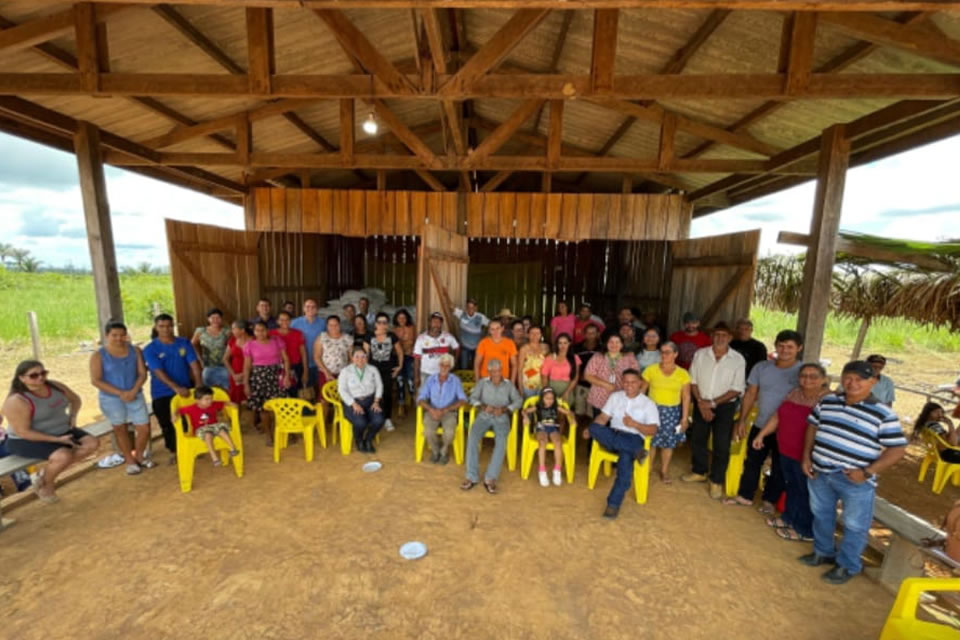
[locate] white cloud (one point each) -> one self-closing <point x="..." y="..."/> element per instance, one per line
<point x="913" y="195"/>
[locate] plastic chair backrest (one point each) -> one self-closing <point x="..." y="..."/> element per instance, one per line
<point x="939" y="442"/>
<point x="288" y="412"/>
<point x="532" y="401"/>
<point x="330" y="393"/>
<point x="177" y="402"/>
<point x="468" y="387"/>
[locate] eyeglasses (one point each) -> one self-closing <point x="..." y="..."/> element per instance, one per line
<point x="38" y="374"/>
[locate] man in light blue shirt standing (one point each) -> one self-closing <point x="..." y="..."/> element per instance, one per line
<point x="883" y="390"/>
<point x="472" y="323"/>
<point x="311" y="326"/>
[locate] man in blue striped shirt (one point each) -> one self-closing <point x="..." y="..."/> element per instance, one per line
<point x="851" y="438"/>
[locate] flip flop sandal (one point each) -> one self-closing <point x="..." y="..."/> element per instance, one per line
<point x="466" y="485"/>
<point x="790" y="534"/>
<point x="37" y="481"/>
<point x="766" y="510"/>
<point x="776" y="523"/>
<point x="491" y="487"/>
<point x="50" y="499"/>
<point x="736" y="503"/>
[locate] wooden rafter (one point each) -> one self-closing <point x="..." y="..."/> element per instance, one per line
<point x="604" y="52"/>
<point x="889" y="33"/>
<point x="803" y="33"/>
<point x="41" y="30"/>
<point x="183" y="26"/>
<point x="668" y="136"/>
<point x="501" y="134"/>
<point x="757" y="5"/>
<point x="555" y="136"/>
<point x="411" y="140"/>
<point x="260" y="54"/>
<point x="347" y="126"/>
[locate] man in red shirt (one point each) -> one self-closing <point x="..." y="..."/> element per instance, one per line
<point x="690" y="339"/>
<point x="585" y="317"/>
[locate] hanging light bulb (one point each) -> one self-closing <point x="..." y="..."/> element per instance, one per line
<point x="370" y="125"/>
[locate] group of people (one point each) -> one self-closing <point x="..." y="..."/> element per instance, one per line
<point x="628" y="387"/>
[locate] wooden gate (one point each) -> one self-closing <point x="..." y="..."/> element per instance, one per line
<point x="212" y="267"/>
<point x="713" y="277"/>
<point x="441" y="275"/>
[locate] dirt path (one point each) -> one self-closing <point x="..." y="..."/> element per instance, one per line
<point x="310" y="550"/>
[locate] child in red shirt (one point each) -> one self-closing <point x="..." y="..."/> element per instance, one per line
<point x="207" y="421"/>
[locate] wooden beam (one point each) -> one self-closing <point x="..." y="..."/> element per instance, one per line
<point x="495" y="50"/>
<point x="501" y="134"/>
<point x="656" y="114"/>
<point x="757" y="86"/>
<point x="626" y="186"/>
<point x="732" y="284"/>
<point x="381" y="180"/>
<point x="197" y="274"/>
<point x="244" y="136"/>
<point x="803" y="34"/>
<point x="497" y="179"/>
<point x="358" y="47"/>
<point x="260" y="56"/>
<point x="555" y="136"/>
<point x="821" y="252"/>
<point x="183" y="26"/>
<point x="546" y="182"/>
<point x="888" y="33"/>
<point x="88" y="52"/>
<point x="41" y="30"/>
<point x="555" y="56"/>
<point x="434" y="31"/>
<point x="668" y="134"/>
<point x="753" y="5"/>
<point x="699" y="38"/>
<point x="411" y="140"/>
<point x="347" y="129"/>
<point x="430" y="180"/>
<point x="96" y="213"/>
<point x="603" y="58"/>
<point x="309" y="131"/>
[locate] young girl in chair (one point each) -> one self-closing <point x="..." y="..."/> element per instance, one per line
<point x="547" y="413"/>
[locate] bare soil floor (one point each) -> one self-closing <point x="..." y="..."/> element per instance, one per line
<point x="300" y="550"/>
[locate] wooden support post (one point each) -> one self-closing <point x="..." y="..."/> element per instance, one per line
<point x="381" y="180"/>
<point x="604" y="48"/>
<point x="546" y="182"/>
<point x="627" y="185"/>
<point x="260" y="57"/>
<point x="347" y="124"/>
<point x="668" y="134"/>
<point x="818" y="269"/>
<point x="96" y="212"/>
<point x="555" y="134"/>
<point x="88" y="57"/>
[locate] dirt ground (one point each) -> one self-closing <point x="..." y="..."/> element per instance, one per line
<point x="305" y="550"/>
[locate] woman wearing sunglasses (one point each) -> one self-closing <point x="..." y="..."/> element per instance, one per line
<point x="43" y="424"/>
<point x="387" y="356"/>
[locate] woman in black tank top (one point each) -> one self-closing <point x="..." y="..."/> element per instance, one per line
<point x="43" y="425"/>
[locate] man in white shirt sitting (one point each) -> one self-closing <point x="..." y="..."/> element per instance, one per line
<point x="626" y="417"/>
<point x="716" y="382"/>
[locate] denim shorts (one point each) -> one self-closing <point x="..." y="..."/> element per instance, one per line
<point x="548" y="429"/>
<point x="216" y="377"/>
<point x="119" y="412"/>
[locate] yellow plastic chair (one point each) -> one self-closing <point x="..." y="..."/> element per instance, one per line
<point x="944" y="471"/>
<point x="189" y="446"/>
<point x="738" y="455"/>
<point x="465" y="375"/>
<point x="529" y="445"/>
<point x="332" y="395"/>
<point x="289" y="418"/>
<point x="420" y="440"/>
<point x="902" y="623"/>
<point x="511" y="437"/>
<point x="641" y="472"/>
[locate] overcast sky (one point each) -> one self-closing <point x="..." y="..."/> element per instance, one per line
<point x="913" y="195"/>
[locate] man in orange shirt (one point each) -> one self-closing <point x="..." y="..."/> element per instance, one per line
<point x="495" y="347"/>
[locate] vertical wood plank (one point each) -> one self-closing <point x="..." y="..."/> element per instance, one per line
<point x="524" y="202"/>
<point x="374" y="204"/>
<point x="325" y="210"/>
<point x="294" y="211"/>
<point x="638" y="215"/>
<point x="538" y="215"/>
<point x="568" y="217"/>
<point x="450" y="203"/>
<point x="418" y="211"/>
<point x="278" y="209"/>
<point x="551" y="227"/>
<point x="508" y="209"/>
<point x="601" y="214"/>
<point x="673" y="212"/>
<point x="585" y="216"/>
<point x="388" y="219"/>
<point x="657" y="218"/>
<point x="475" y="215"/>
<point x="491" y="214"/>
<point x="341" y="211"/>
<point x="435" y="208"/>
<point x="358" y="219"/>
<point x="404" y="227"/>
<point x="262" y="217"/>
<point x="309" y="211"/>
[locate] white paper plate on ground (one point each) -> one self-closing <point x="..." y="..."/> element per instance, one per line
<point x="413" y="550"/>
<point x="370" y="467"/>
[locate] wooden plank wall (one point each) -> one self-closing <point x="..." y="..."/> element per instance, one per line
<point x="558" y="216"/>
<point x="352" y="213"/>
<point x="447" y="253"/>
<point x="293" y="266"/>
<point x="391" y="265"/>
<point x="717" y="271"/>
<point x="530" y="277"/>
<point x="211" y="267"/>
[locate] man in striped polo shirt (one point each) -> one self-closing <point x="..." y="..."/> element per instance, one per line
<point x="852" y="438"/>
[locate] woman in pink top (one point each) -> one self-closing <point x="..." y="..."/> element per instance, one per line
<point x="604" y="371"/>
<point x="790" y="424"/>
<point x="266" y="372"/>
<point x="561" y="368"/>
<point x="561" y="323"/>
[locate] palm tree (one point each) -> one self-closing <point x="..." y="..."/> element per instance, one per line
<point x="29" y="264"/>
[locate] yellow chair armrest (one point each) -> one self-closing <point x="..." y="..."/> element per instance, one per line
<point x="943" y="443"/>
<point x="910" y="590"/>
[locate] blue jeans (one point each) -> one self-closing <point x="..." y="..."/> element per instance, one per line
<point x="857" y="500"/>
<point x="625" y="445"/>
<point x="797" y="513"/>
<point x="501" y="429"/>
<point x="216" y="377"/>
<point x="466" y="358"/>
<point x="366" y="424"/>
<point x="405" y="379"/>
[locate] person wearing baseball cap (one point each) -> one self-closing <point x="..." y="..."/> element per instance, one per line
<point x="689" y="339"/>
<point x="430" y="346"/>
<point x="883" y="390"/>
<point x="852" y="437"/>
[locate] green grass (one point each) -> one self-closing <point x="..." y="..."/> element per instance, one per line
<point x="65" y="304"/>
<point x="885" y="334"/>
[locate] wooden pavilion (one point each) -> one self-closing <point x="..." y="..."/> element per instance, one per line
<point x="569" y="140"/>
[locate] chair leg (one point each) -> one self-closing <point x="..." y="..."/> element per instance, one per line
<point x="238" y="461"/>
<point x="593" y="471"/>
<point x="641" y="480"/>
<point x="512" y="450"/>
<point x="458" y="445"/>
<point x="526" y="460"/>
<point x="277" y="445"/>
<point x="939" y="477"/>
<point x="346" y="437"/>
<point x="185" y="464"/>
<point x="607" y="468"/>
<point x="308" y="444"/>
<point x="924" y="466"/>
<point x="570" y="459"/>
<point x="418" y="443"/>
<point x="321" y="430"/>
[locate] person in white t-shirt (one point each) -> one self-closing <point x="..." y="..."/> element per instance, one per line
<point x="626" y="417"/>
<point x="430" y="346"/>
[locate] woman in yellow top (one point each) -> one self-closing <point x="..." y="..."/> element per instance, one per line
<point x="668" y="385"/>
<point x="529" y="363"/>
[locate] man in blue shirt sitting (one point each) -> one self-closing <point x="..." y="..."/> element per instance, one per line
<point x="441" y="396"/>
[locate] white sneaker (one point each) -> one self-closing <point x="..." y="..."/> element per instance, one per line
<point x="557" y="477"/>
<point x="133" y="469"/>
<point x="388" y="425"/>
<point x="544" y="481"/>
